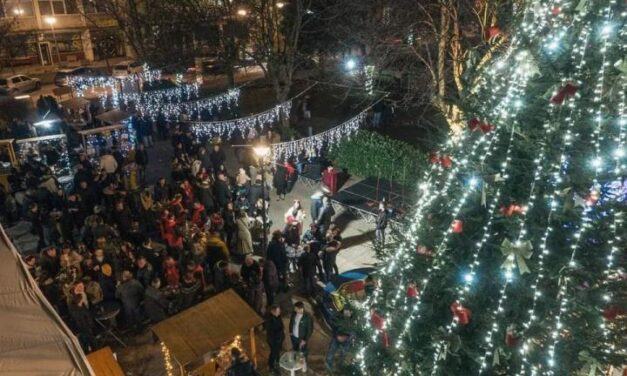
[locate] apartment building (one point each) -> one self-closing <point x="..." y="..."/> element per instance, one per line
<point x="68" y="32"/>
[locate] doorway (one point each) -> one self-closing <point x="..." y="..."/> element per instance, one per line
<point x="45" y="54"/>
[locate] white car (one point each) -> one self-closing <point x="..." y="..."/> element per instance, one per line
<point x="19" y="84"/>
<point x="126" y="68"/>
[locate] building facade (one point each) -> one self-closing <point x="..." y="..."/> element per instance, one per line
<point x="69" y="32"/>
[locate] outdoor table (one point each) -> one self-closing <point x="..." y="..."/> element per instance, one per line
<point x="293" y="361"/>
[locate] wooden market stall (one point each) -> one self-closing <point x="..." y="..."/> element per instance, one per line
<point x="103" y="363"/>
<point x="5" y="169"/>
<point x="102" y="137"/>
<point x="196" y="340"/>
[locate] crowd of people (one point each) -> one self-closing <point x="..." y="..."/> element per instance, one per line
<point x="116" y="243"/>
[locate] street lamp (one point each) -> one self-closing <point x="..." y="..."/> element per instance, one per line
<point x="280" y="4"/>
<point x="51" y="21"/>
<point x="262" y="151"/>
<point x="242" y="12"/>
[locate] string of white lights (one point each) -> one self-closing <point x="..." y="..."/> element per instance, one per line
<point x="559" y="172"/>
<point x="173" y="109"/>
<point x="247" y="126"/>
<point x="314" y="145"/>
<point x="430" y="192"/>
<point x="494" y="327"/>
<point x="441" y="249"/>
<point x="597" y="164"/>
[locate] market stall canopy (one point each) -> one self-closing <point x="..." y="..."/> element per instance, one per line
<point x="75" y="103"/>
<point x="104" y="363"/>
<point x="34" y="340"/>
<point x="205" y="327"/>
<point x="113" y="116"/>
<point x="99" y="130"/>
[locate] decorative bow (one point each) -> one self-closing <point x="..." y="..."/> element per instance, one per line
<point x="498" y="353"/>
<point x="515" y="254"/>
<point x="450" y="342"/>
<point x="591" y="365"/>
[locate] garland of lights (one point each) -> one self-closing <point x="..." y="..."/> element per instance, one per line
<point x="429" y="194"/>
<point x="413" y="227"/>
<point x="84" y="83"/>
<point x="173" y="109"/>
<point x="519" y="242"/>
<point x="597" y="164"/>
<point x="446" y="236"/>
<point x="247" y="126"/>
<point x="315" y="144"/>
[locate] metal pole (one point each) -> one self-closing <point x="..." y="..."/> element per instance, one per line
<point x="56" y="44"/>
<point x="264" y="219"/>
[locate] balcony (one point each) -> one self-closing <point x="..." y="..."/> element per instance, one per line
<point x="25" y="24"/>
<point x="66" y="21"/>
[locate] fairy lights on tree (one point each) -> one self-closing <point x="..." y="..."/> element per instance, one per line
<point x="514" y="247"/>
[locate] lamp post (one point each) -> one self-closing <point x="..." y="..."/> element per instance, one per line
<point x="51" y="21"/>
<point x="262" y="151"/>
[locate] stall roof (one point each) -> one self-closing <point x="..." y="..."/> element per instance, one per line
<point x="205" y="327"/>
<point x="41" y="138"/>
<point x="34" y="340"/>
<point x="104" y="363"/>
<point x="113" y="116"/>
<point x="75" y="103"/>
<point x="108" y="128"/>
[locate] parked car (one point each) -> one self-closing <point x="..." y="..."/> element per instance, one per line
<point x="19" y="84"/>
<point x="126" y="68"/>
<point x="61" y="78"/>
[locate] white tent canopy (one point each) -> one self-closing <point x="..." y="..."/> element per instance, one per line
<point x="33" y="338"/>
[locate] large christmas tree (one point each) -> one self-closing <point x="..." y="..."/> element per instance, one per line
<point x="511" y="263"/>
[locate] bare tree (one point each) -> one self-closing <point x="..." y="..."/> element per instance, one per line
<point x="425" y="47"/>
<point x="275" y="29"/>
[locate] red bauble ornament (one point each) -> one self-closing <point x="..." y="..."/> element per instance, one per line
<point x="612" y="312"/>
<point x="446" y="162"/>
<point x="556" y="10"/>
<point x="486" y="127"/>
<point x="492" y="32"/>
<point x="473" y="124"/>
<point x="511" y="337"/>
<point x="508" y="211"/>
<point x="412" y="290"/>
<point x="461" y="314"/>
<point x="564" y="93"/>
<point x="377" y="321"/>
<point x="385" y="339"/>
<point x="457" y="226"/>
<point x="434" y="158"/>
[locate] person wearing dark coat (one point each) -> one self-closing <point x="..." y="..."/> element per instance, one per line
<point x="205" y="196"/>
<point x="162" y="191"/>
<point x="277" y="253"/>
<point x="255" y="192"/>
<point x="280" y="181"/>
<point x="270" y="280"/>
<point x="308" y="264"/>
<point x="145" y="272"/>
<point x="221" y="191"/>
<point x="83" y="322"/>
<point x="155" y="303"/>
<point x="50" y="262"/>
<point x="301" y="328"/>
<point x="325" y="217"/>
<point x="240" y="366"/>
<point x="217" y="157"/>
<point x="275" y="332"/>
<point x="252" y="278"/>
<point x="131" y="293"/>
<point x="382" y="223"/>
